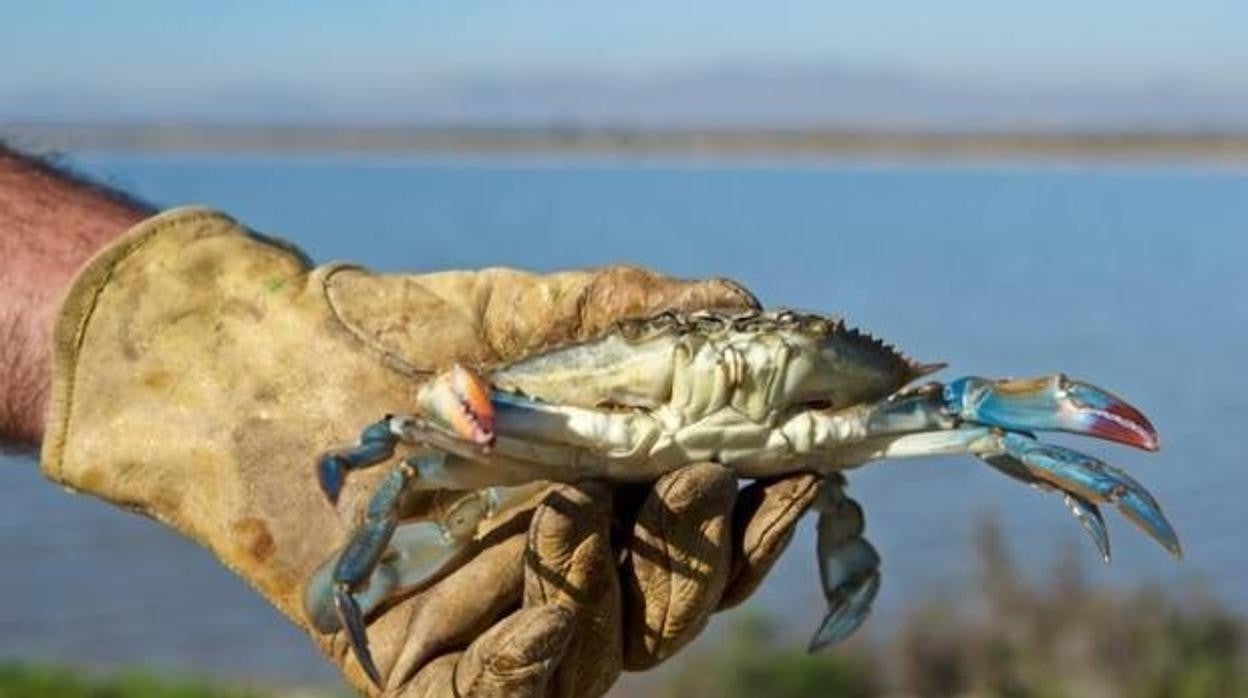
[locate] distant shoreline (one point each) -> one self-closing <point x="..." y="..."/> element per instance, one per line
<point x="1125" y="147"/>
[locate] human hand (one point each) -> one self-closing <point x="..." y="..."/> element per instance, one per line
<point x="199" y="372"/>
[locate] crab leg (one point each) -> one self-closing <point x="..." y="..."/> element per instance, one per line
<point x="461" y="398"/>
<point x="377" y="443"/>
<point x="534" y="440"/>
<point x="849" y="567"/>
<point x="384" y="558"/>
<point x="355" y="564"/>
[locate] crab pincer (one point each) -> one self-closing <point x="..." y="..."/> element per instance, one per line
<point x="1051" y="403"/>
<point x="1058" y="403"/>
<point x="1089" y="480"/>
<point x="459" y="399"/>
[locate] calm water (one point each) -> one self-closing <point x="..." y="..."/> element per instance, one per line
<point x="1132" y="278"/>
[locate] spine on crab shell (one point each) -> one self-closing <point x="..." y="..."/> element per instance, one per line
<point x="876" y="350"/>
<point x="827" y="327"/>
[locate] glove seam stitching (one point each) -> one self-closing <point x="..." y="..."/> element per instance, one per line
<point x="534" y="526"/>
<point x="64" y="398"/>
<point x="661" y="643"/>
<point x="784" y="513"/>
<point x="389" y="358"/>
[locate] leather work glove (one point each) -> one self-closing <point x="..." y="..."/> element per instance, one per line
<point x="200" y="370"/>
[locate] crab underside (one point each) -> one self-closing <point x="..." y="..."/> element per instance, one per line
<point x="766" y="394"/>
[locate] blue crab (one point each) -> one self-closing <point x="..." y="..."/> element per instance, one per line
<point x="764" y="393"/>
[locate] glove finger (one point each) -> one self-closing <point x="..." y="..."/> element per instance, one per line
<point x="570" y="563"/>
<point x="620" y="292"/>
<point x="501" y="314"/>
<point x="763" y="523"/>
<point x="515" y="658"/>
<point x="677" y="561"/>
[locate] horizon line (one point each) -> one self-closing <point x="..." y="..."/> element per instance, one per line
<point x="1150" y="144"/>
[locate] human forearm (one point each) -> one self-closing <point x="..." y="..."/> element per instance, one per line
<point x="51" y="221"/>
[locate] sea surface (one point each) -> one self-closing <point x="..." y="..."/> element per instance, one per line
<point x="1133" y="278"/>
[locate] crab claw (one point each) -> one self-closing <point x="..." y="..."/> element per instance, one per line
<point x="1051" y="403"/>
<point x="1089" y="517"/>
<point x="1085" y="512"/>
<point x="1087" y="480"/>
<point x="460" y="400"/>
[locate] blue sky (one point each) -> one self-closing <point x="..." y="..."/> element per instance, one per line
<point x="147" y="50"/>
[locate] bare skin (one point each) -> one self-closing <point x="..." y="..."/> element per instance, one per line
<point x="51" y="221"/>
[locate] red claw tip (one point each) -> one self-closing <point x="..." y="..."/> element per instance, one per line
<point x="474" y="416"/>
<point x="1123" y="423"/>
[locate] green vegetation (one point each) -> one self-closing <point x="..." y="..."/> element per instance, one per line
<point x="1063" y="640"/>
<point x="47" y="681"/>
<point x="754" y="661"/>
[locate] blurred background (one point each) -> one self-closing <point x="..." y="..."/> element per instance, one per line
<point x="1014" y="189"/>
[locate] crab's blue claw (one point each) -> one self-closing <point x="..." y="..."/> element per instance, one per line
<point x="1085" y="512"/>
<point x="1089" y="517"/>
<point x="1088" y="480"/>
<point x="1052" y="403"/>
